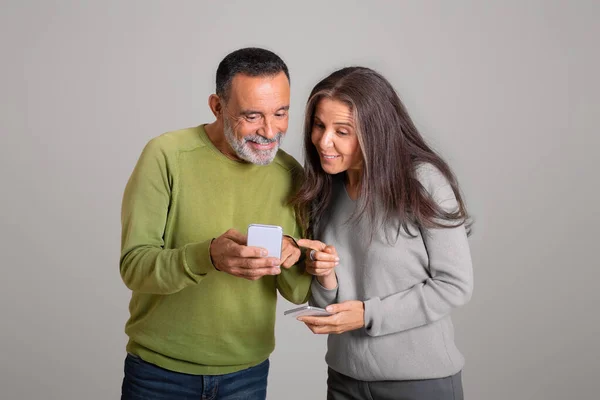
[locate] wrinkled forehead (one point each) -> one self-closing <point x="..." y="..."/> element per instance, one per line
<point x="263" y="93"/>
<point x="334" y="110"/>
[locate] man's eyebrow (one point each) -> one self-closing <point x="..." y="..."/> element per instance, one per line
<point x="248" y="112"/>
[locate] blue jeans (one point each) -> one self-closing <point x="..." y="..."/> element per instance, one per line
<point x="147" y="381"/>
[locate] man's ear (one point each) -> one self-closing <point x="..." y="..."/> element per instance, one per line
<point x="216" y="106"/>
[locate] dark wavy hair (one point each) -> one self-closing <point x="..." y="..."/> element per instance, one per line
<point x="391" y="147"/>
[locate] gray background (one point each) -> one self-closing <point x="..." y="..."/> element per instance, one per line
<point x="507" y="91"/>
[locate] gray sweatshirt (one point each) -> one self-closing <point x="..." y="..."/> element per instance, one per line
<point x="408" y="288"/>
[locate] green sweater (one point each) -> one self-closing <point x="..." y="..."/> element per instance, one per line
<point x="185" y="315"/>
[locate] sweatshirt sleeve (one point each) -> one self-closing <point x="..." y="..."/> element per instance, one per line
<point x="294" y="283"/>
<point x="145" y="265"/>
<point x="320" y="296"/>
<point x="450" y="281"/>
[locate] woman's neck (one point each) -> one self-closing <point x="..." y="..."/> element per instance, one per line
<point x="353" y="177"/>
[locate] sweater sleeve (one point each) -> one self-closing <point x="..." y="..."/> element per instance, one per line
<point x="321" y="296"/>
<point x="145" y="265"/>
<point x="294" y="283"/>
<point x="449" y="285"/>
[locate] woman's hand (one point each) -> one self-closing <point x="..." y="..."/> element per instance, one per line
<point x="321" y="261"/>
<point x="347" y="316"/>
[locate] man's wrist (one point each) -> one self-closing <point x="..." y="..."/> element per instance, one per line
<point x="210" y="255"/>
<point x="293" y="240"/>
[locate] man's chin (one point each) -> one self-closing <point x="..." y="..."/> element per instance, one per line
<point x="262" y="157"/>
<point x="265" y="159"/>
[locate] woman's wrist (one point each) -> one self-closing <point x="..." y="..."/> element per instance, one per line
<point x="329" y="281"/>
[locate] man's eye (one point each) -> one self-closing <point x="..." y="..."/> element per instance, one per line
<point x="319" y="125"/>
<point x="252" y="117"/>
<point x="281" y="115"/>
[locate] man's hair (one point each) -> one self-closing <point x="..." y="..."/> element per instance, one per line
<point x="251" y="61"/>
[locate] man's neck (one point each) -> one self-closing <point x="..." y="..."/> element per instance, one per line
<point x="216" y="135"/>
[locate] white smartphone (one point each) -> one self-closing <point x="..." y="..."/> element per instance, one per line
<point x="266" y="236"/>
<point x="307" y="310"/>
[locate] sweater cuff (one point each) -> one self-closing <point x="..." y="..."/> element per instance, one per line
<point x="320" y="296"/>
<point x="196" y="259"/>
<point x="373" y="316"/>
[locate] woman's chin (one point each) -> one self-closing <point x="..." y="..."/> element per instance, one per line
<point x="331" y="170"/>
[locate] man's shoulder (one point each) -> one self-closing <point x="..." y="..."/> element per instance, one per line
<point x="178" y="140"/>
<point x="287" y="162"/>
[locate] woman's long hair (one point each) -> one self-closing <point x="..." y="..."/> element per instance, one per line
<point x="391" y="147"/>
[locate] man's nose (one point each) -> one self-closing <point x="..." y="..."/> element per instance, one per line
<point x="267" y="129"/>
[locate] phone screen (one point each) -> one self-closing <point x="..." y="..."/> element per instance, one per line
<point x="266" y="236"/>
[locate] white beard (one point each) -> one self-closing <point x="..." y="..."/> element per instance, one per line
<point x="247" y="153"/>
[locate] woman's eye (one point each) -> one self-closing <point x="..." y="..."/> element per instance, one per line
<point x="342" y="133"/>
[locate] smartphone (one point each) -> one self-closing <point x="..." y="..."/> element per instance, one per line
<point x="307" y="310"/>
<point x="266" y="236"/>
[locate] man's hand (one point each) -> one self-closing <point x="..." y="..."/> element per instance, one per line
<point x="230" y="254"/>
<point x="347" y="316"/>
<point x="290" y="253"/>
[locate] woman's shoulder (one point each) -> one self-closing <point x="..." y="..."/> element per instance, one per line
<point x="430" y="177"/>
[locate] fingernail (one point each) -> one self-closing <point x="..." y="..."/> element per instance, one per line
<point x="337" y="263"/>
<point x="263" y="253"/>
<point x="276" y="263"/>
<point x="329" y="309"/>
<point x="337" y="259"/>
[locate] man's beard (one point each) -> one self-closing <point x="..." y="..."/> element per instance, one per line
<point x="245" y="152"/>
